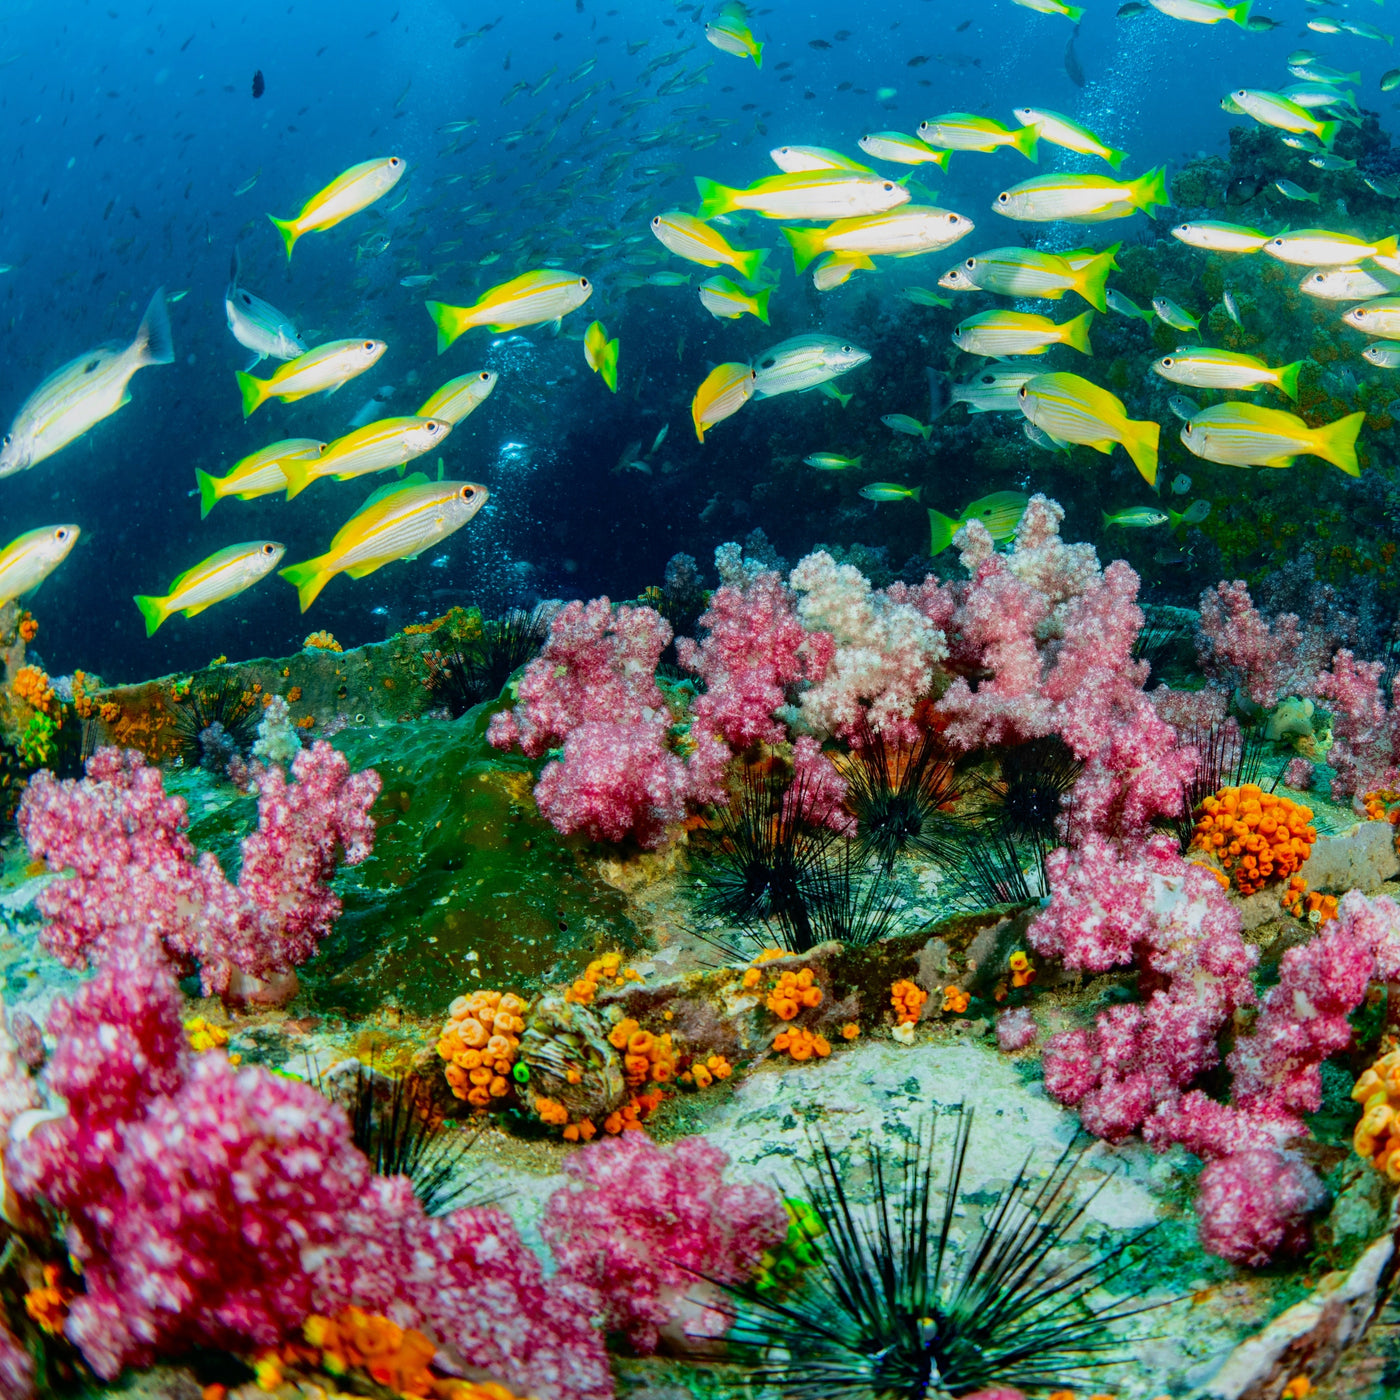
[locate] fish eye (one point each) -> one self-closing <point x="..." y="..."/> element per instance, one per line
<point x="970" y="264"/>
<point x="7" y="440"/>
<point x="1021" y="392"/>
<point x="889" y="184"/>
<point x="583" y="281"/>
<point x="247" y="300"/>
<point x="369" y="345"/>
<point x="484" y="375"/>
<point x="393" y="161"/>
<point x="953" y="218"/>
<point x="269" y="549"/>
<point x="61" y="533"/>
<point x="1167" y="362"/>
<point x="656" y="219"/>
<point x="845" y="349"/>
<point x="1003" y="198"/>
<point x="467" y="492"/>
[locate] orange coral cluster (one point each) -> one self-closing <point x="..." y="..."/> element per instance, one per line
<point x="1317" y="909"/>
<point x="1377" y="1135"/>
<point x="322" y="641"/>
<point x="703" y="1073"/>
<point x="630" y="1117"/>
<point x="32" y="686"/>
<point x="479" y="1042"/>
<point x="28" y="627"/>
<point x="752" y="975"/>
<point x="955" y="999"/>
<point x="793" y="991"/>
<point x="606" y="971"/>
<point x="1257" y="836"/>
<point x="48" y="1304"/>
<point x="1022" y="970"/>
<point x="1382" y="805"/>
<point x="908" y="1000"/>
<point x="393" y="1357"/>
<point x="802" y="1044"/>
<point x="646" y="1058"/>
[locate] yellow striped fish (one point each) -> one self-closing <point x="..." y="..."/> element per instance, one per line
<point x="355" y="189"/>
<point x="389" y="442"/>
<point x="319" y="371"/>
<point x="1244" y="435"/>
<point x="725" y="390"/>
<point x="258" y="474"/>
<point x="693" y="239"/>
<point x="398" y="521"/>
<point x="532" y="299"/>
<point x="459" y="397"/>
<point x="223" y="574"/>
<point x="1072" y="409"/>
<point x="31" y="557"/>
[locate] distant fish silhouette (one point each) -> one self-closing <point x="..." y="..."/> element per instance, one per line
<point x="259" y="87"/>
<point x="1076" y="73"/>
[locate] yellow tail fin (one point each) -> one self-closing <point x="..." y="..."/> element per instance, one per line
<point x="747" y="264"/>
<point x="254" y="392"/>
<point x="1336" y="443"/>
<point x="298" y="476"/>
<point x="714" y="197"/>
<point x="1075" y="333"/>
<point x="288" y="229"/>
<point x="208" y="491"/>
<point x="153" y="609"/>
<point x="1141" y="440"/>
<point x="807" y="243"/>
<point x="1091" y="279"/>
<point x="450" y="321"/>
<point x="942" y="528"/>
<point x="1027" y="141"/>
<point x="308" y="579"/>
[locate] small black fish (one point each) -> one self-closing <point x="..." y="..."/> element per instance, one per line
<point x="1243" y="189"/>
<point x="259" y="86"/>
<point x="844" y="87"/>
<point x="843" y="34"/>
<point x="1076" y="73"/>
<point x="962" y="26"/>
<point x="817" y="44"/>
<point x="918" y="60"/>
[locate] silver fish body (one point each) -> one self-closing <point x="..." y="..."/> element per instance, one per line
<point x="259" y="326"/>
<point x="804" y="362"/>
<point x="84" y="392"/>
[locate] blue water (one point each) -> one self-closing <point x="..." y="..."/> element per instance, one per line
<point x="129" y="127"/>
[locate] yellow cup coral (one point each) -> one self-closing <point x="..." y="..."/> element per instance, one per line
<point x="1258" y="837"/>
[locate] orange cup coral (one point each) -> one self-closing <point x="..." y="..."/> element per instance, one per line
<point x="792" y="992"/>
<point x="1258" y="837"/>
<point x="32" y="686"/>
<point x="479" y="1042"/>
<point x="604" y="971"/>
<point x="1377" y="1135"/>
<point x="802" y="1044"/>
<point x="908" y="999"/>
<point x="646" y="1058"/>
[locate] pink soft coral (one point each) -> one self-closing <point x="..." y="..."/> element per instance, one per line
<point x="592" y="690"/>
<point x="214" y="1206"/>
<point x="136" y="874"/>
<point x="644" y="1225"/>
<point x="754" y="650"/>
<point x="1050" y="637"/>
<point x="1241" y="647"/>
<point x="1365" y="752"/>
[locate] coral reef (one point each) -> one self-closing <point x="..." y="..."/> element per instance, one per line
<point x="136" y="875"/>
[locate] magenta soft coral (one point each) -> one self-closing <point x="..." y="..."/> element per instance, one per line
<point x="1242" y="647"/>
<point x="1365" y="752"/>
<point x="643" y="1225"/>
<point x="1049" y="637"/>
<point x="592" y="690"/>
<point x="753" y="651"/>
<point x="215" y="1206"/>
<point x="136" y="872"/>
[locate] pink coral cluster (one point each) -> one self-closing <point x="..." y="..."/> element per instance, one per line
<point x="1178" y="924"/>
<point x="1238" y="645"/>
<point x="1132" y="1070"/>
<point x="1051" y="636"/>
<point x="592" y="690"/>
<point x="753" y="652"/>
<point x="136" y="875"/>
<point x="1365" y="752"/>
<point x="643" y="1226"/>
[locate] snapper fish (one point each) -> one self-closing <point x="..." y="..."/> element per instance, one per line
<point x="1060" y="130"/>
<point x="965" y="131"/>
<point x="224" y="574"/>
<point x="391" y="442"/>
<point x="726" y="300"/>
<point x="1177" y="317"/>
<point x="1381" y="355"/>
<point x="1026" y="272"/>
<point x="995" y="389"/>
<point x="1275" y="110"/>
<point x="722" y="393"/>
<point x="1201" y="368"/>
<point x="1000" y="513"/>
<point x="459" y="397"/>
<point x="999" y="333"/>
<point x="1082" y="199"/>
<point x="1347" y="284"/>
<point x="810" y="194"/>
<point x="836" y="269"/>
<point x="1244" y="435"/>
<point x="532" y="299"/>
<point x="260" y="473"/>
<point x="900" y="233"/>
<point x="399" y="521"/>
<point x="1220" y="237"/>
<point x="1205" y="11"/>
<point x="693" y="239"/>
<point x="257" y="325"/>
<point x="1319" y="247"/>
<point x="831" y="461"/>
<point x="600" y="353"/>
<point x="793" y="160"/>
<point x="730" y="33"/>
<point x="322" y="370"/>
<point x="351" y="191"/>
<point x="1380" y="317"/>
<point x="84" y="391"/>
<point x="1071" y="409"/>
<point x="804" y="362"/>
<point x="899" y="149"/>
<point x="31" y="557"/>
